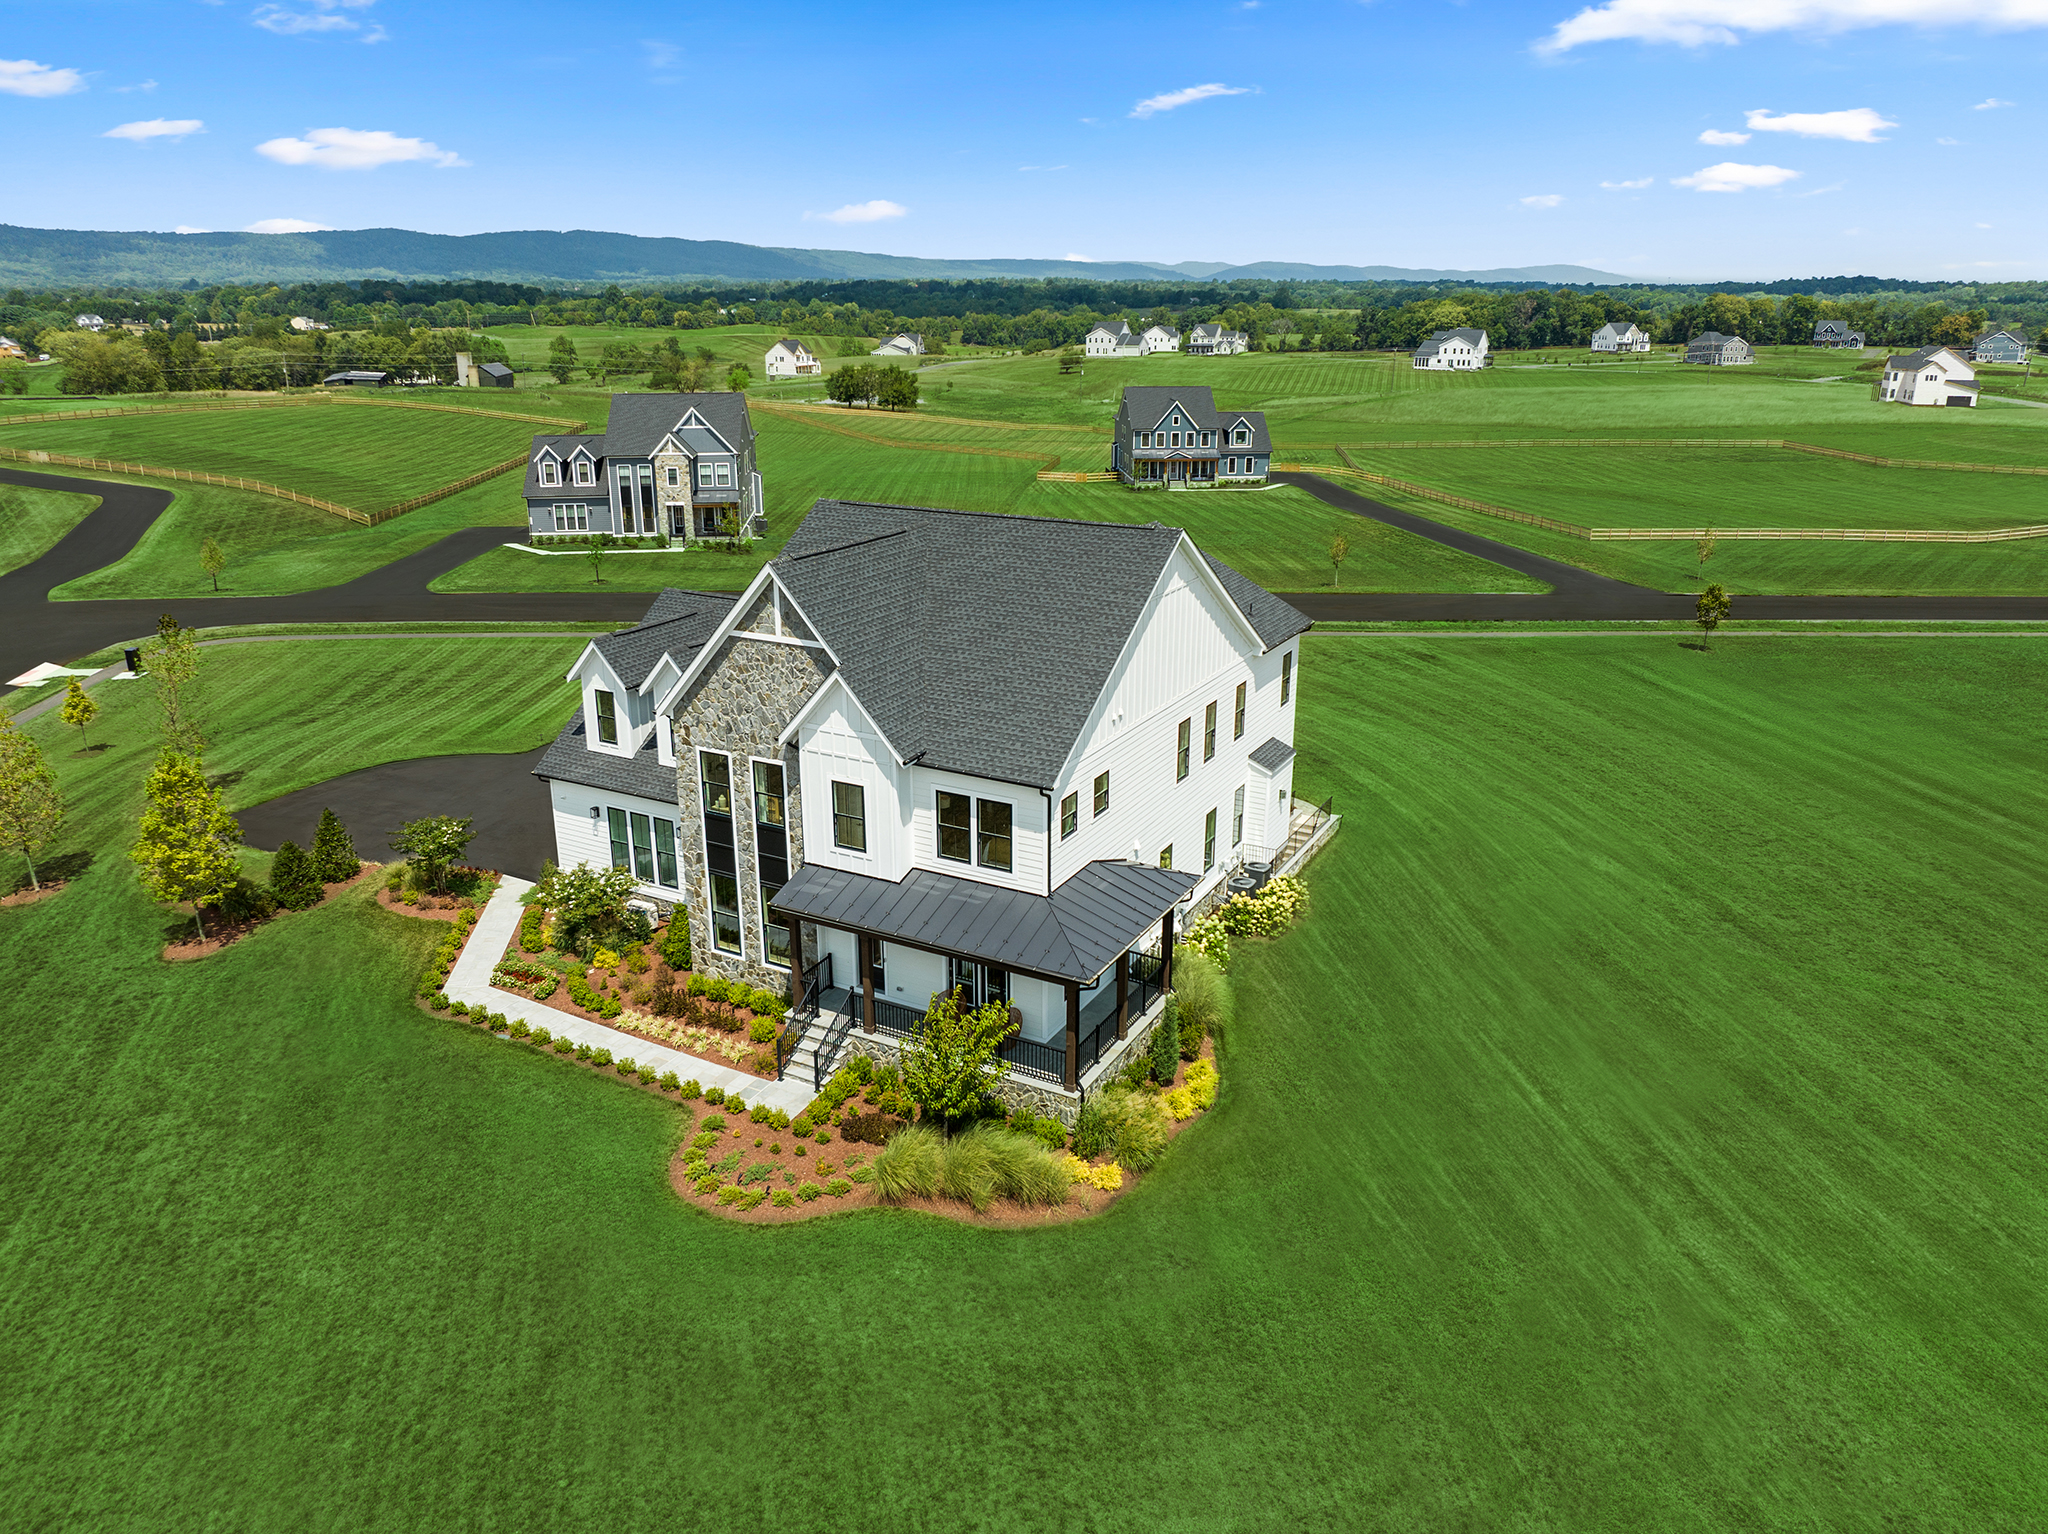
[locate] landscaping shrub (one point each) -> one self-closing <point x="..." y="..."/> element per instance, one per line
<point x="762" y="1030"/>
<point x="675" y="939"/>
<point x="714" y="1095"/>
<point x="801" y="1125"/>
<point x="889" y="1079"/>
<point x="759" y="1113"/>
<point x="861" y="1173"/>
<point x="246" y="900"/>
<point x="292" y="881"/>
<point x="908" y="1166"/>
<point x="564" y="1044"/>
<point x="706" y="1140"/>
<point x="604" y="958"/>
<point x="583" y="1051"/>
<point x="520" y="1028"/>
<point x="731" y="1194"/>
<point x="692" y="1091"/>
<point x="760" y="1171"/>
<point x="1017" y="1166"/>
<point x="735" y="1105"/>
<point x="729" y="1163"/>
<point x="808" y="1191"/>
<point x="783" y="1199"/>
<point x="670" y="1081"/>
<point x="1130" y="1126"/>
<point x="542" y="1037"/>
<point x="823" y="1137"/>
<point x="867" y="1129"/>
<point x="1164" y="1048"/>
<point x="602" y="1058"/>
<point x="1180" y="1103"/>
<point x="334" y="854"/>
<point x="626" y="1067"/>
<point x="1202" y="995"/>
<point x="713" y="1123"/>
<point x="839" y="1187"/>
<point x="518" y="975"/>
<point x="1201" y="1082"/>
<point x="394" y="878"/>
<point x="708" y="1183"/>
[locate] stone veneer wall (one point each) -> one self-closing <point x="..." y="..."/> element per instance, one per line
<point x="740" y="705"/>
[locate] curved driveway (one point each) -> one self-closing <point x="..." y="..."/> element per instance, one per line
<point x="1582" y="595"/>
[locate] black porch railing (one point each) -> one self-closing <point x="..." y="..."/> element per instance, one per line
<point x="828" y="1049"/>
<point x="817" y="981"/>
<point x="892" y="1018"/>
<point x="1143" y="986"/>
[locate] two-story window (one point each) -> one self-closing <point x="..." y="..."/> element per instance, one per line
<point x="1209" y="842"/>
<point x="1286" y="676"/>
<point x="1237" y="720"/>
<point x="771" y="856"/>
<point x="976" y="830"/>
<point x="1102" y="793"/>
<point x="714" y="770"/>
<point x="850" y="817"/>
<point x="607" y="718"/>
<point x="1183" y="749"/>
<point x="1209" y="734"/>
<point x="1237" y="819"/>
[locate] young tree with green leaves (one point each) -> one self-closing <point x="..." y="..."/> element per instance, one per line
<point x="1713" y="609"/>
<point x="589" y="904"/>
<point x="31" y="804"/>
<point x="896" y="388"/>
<point x="213" y="559"/>
<point x="738" y="376"/>
<point x="562" y="360"/>
<point x="186" y="845"/>
<point x="293" y="882"/>
<point x="435" y="843"/>
<point x="79" y="709"/>
<point x="334" y="854"/>
<point x="1340" y="550"/>
<point x="667" y="373"/>
<point x="171" y="661"/>
<point x="598" y="543"/>
<point x="954" y="1060"/>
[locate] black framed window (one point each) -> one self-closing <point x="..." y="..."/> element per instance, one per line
<point x="1237" y="722"/>
<point x="850" y="816"/>
<point x="768" y="809"/>
<point x="1209" y="733"/>
<point x="1070" y="815"/>
<point x="1183" y="749"/>
<point x="1286" y="676"/>
<point x="956" y="827"/>
<point x="725" y="913"/>
<point x="993" y="850"/>
<point x="714" y="774"/>
<point x="1102" y="793"/>
<point x="1209" y="842"/>
<point x="607" y="718"/>
<point x="643" y="848"/>
<point x="1237" y="820"/>
<point x="715" y="770"/>
<point x="621" y="848"/>
<point x="665" y="854"/>
<point x="771" y="856"/>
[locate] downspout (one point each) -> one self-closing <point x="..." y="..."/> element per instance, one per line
<point x="1048" y="841"/>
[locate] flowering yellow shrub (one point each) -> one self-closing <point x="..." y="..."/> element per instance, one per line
<point x="604" y="958"/>
<point x="1199" y="1082"/>
<point x="1077" y="1169"/>
<point x="1180" y="1102"/>
<point x="1107" y="1178"/>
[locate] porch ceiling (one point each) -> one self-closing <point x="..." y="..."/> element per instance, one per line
<point x="1073" y="934"/>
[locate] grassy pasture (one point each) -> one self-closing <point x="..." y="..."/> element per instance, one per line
<point x="358" y="454"/>
<point x="32" y="521"/>
<point x="1640" y="1133"/>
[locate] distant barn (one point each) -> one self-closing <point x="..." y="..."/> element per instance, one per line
<point x="356" y="378"/>
<point x="494" y="375"/>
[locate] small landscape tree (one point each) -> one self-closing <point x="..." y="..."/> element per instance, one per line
<point x="738" y="376"/>
<point x="598" y="543"/>
<point x="292" y="881"/>
<point x="171" y="661"/>
<point x="1705" y="543"/>
<point x="562" y="360"/>
<point x="896" y="388"/>
<point x="589" y="903"/>
<point x="31" y="805"/>
<point x="1713" y="609"/>
<point x="1340" y="550"/>
<point x="186" y="849"/>
<point x="434" y="843"/>
<point x="1164" y="1053"/>
<point x="953" y="1062"/>
<point x="213" y="559"/>
<point x="334" y="854"/>
<point x="79" y="709"/>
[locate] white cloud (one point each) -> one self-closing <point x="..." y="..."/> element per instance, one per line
<point x="1627" y="186"/>
<point x="144" y="86"/>
<point x="157" y="127"/>
<point x="1070" y="256"/>
<point x="25" y="77"/>
<point x="354" y="149"/>
<point x="1043" y="167"/>
<point x="190" y="229"/>
<point x="1723" y="138"/>
<point x="1728" y="176"/>
<point x="1990" y="104"/>
<point x="1168" y="100"/>
<point x="862" y="212"/>
<point x="325" y="16"/>
<point x="1983" y="226"/>
<point x="377" y="34"/>
<point x="1544" y="200"/>
<point x="278" y="226"/>
<point x="1858" y="125"/>
<point x="1951" y="142"/>
<point x="1692" y="23"/>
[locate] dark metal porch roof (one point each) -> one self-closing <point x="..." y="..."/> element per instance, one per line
<point x="1073" y="934"/>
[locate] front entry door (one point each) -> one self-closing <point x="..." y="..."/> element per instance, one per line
<point x="979" y="984"/>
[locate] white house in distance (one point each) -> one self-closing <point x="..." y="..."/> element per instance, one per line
<point x="89" y="322"/>
<point x="902" y="344"/>
<point x="1113" y="749"/>
<point x="300" y="323"/>
<point x="1933" y="375"/>
<point x="1115" y="338"/>
<point x="1215" y="341"/>
<point x="790" y="359"/>
<point x="1445" y="349"/>
<point x="1712" y="349"/>
<point x="1629" y="337"/>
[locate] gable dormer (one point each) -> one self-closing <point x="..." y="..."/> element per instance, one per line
<point x="547" y="468"/>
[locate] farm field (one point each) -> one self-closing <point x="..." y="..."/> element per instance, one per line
<point x="1720" y="487"/>
<point x="360" y="455"/>
<point x="1510" y="1215"/>
<point x="32" y="521"/>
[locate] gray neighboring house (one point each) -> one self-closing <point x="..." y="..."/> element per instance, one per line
<point x="2007" y="345"/>
<point x="902" y="344"/>
<point x="1176" y="436"/>
<point x="1215" y="341"/>
<point x="1716" y="350"/>
<point x="671" y="466"/>
<point x="1837" y="334"/>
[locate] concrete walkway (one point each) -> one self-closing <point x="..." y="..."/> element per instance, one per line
<point x="470" y="983"/>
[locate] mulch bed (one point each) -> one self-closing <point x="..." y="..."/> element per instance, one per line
<point x="1001" y="1214"/>
<point x="440" y="907"/>
<point x="220" y="932"/>
<point x="30" y="895"/>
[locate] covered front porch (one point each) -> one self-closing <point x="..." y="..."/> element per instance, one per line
<point x="1078" y="970"/>
<point x="1175" y="470"/>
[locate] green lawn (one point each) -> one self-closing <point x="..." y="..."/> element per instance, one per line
<point x="359" y="454"/>
<point x="276" y="546"/>
<point x="32" y="521"/>
<point x="1641" y="1133"/>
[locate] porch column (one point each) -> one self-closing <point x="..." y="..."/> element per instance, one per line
<point x="1123" y="991"/>
<point x="1071" y="1077"/>
<point x="1166" y="952"/>
<point x="864" y="955"/>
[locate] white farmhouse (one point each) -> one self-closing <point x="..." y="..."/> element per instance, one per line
<point x="1159" y="338"/>
<point x="875" y="798"/>
<point x="1445" y="349"/>
<point x="1112" y="339"/>
<point x="1630" y="337"/>
<point x="1933" y="375"/>
<point x="1215" y="341"/>
<point x="790" y="359"/>
<point x="902" y="344"/>
<point x="91" y="322"/>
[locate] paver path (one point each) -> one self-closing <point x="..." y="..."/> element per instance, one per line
<point x="470" y="983"/>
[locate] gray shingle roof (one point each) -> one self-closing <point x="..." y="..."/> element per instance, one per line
<point x="1465" y="333"/>
<point x="1910" y="361"/>
<point x="1256" y="420"/>
<point x="787" y="344"/>
<point x="1147" y="404"/>
<point x="981" y="642"/>
<point x="564" y="446"/>
<point x="639" y="421"/>
<point x="1273" y="755"/>
<point x="495" y="370"/>
<point x="676" y="625"/>
<point x="570" y="760"/>
<point x="1073" y="934"/>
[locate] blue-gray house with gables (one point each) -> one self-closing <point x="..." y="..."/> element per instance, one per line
<point x="669" y="467"/>
<point x="1175" y="435"/>
<point x="2006" y="345"/>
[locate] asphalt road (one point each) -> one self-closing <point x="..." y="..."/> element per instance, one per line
<point x="1580" y="595"/>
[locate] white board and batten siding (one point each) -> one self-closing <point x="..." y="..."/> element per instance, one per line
<point x="582" y="838"/>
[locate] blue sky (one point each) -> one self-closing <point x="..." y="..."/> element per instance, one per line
<point x="1693" y="138"/>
